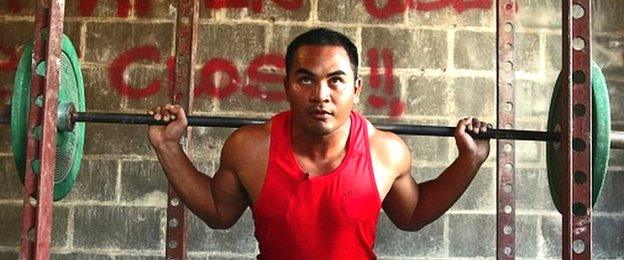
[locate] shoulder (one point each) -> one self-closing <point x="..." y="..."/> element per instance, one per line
<point x="249" y="137"/>
<point x="389" y="150"/>
<point x="244" y="142"/>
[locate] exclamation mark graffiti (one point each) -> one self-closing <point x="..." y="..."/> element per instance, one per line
<point x="387" y="99"/>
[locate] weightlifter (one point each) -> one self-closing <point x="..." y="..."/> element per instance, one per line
<point x="317" y="175"/>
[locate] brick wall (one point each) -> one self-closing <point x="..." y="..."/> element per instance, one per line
<point x="426" y="64"/>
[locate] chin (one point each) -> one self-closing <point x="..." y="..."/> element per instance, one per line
<point x="320" y="128"/>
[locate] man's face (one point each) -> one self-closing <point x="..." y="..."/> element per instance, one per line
<point x="321" y="88"/>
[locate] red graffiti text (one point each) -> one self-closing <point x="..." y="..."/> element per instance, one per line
<point x="255" y="5"/>
<point x="219" y="78"/>
<point x="142" y="7"/>
<point x="394" y="7"/>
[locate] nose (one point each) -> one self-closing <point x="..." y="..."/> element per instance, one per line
<point x="321" y="93"/>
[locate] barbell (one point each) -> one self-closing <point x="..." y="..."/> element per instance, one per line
<point x="71" y="129"/>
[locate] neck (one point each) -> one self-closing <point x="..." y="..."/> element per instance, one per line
<point x="319" y="146"/>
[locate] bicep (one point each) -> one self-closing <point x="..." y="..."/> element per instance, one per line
<point x="228" y="193"/>
<point x="401" y="200"/>
<point x="402" y="197"/>
<point x="229" y="196"/>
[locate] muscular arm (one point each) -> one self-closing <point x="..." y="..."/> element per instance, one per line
<point x="220" y="200"/>
<point x="412" y="206"/>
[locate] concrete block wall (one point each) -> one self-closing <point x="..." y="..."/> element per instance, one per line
<point x="429" y="63"/>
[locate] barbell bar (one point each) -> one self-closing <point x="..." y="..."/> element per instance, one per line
<point x="404" y="129"/>
<point x="617" y="138"/>
<point x="67" y="117"/>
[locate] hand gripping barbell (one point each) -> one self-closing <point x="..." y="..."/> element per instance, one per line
<point x="71" y="130"/>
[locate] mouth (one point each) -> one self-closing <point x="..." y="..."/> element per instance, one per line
<point x="320" y="114"/>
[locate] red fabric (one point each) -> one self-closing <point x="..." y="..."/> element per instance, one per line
<point x="332" y="216"/>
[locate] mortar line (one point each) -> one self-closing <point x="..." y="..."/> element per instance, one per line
<point x="83" y="40"/>
<point x="450" y="68"/>
<point x="268" y="36"/>
<point x="542" y="53"/>
<point x="446" y="240"/>
<point x="313" y="12"/>
<point x="540" y="238"/>
<point x="405" y="17"/>
<point x="118" y="189"/>
<point x="70" y="228"/>
<point x="114" y="20"/>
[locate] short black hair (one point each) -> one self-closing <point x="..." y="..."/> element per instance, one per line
<point x="322" y="36"/>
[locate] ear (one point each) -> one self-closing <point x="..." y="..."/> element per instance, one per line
<point x="285" y="82"/>
<point x="357" y="88"/>
<point x="286" y="88"/>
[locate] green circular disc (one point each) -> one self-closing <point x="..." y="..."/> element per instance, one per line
<point x="69" y="144"/>
<point x="601" y="130"/>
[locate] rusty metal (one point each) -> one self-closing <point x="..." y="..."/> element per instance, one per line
<point x="576" y="130"/>
<point x="187" y="27"/>
<point x="37" y="213"/>
<point x="505" y="149"/>
<point x="29" y="223"/>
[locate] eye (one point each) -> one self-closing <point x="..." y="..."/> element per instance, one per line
<point x="336" y="80"/>
<point x="305" y="80"/>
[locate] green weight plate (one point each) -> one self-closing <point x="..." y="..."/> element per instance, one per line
<point x="601" y="129"/>
<point x="69" y="144"/>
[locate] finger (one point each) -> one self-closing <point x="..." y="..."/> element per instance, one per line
<point x="484" y="127"/>
<point x="461" y="127"/>
<point x="180" y="114"/>
<point x="173" y="110"/>
<point x="476" y="125"/>
<point x="166" y="112"/>
<point x="468" y="123"/>
<point x="156" y="113"/>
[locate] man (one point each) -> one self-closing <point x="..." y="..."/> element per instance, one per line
<point x="316" y="176"/>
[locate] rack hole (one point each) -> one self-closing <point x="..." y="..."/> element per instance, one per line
<point x="507" y="148"/>
<point x="578" y="246"/>
<point x="578" y="77"/>
<point x="507" y="230"/>
<point x="508" y="188"/>
<point x="507" y="250"/>
<point x="577" y="11"/>
<point x="508" y="106"/>
<point x="579" y="110"/>
<point x="172" y="244"/>
<point x="578" y="144"/>
<point x="580" y="177"/>
<point x="508" y="27"/>
<point x="508" y="66"/>
<point x="578" y="44"/>
<point x="579" y="209"/>
<point x="509" y="46"/>
<point x="173" y="222"/>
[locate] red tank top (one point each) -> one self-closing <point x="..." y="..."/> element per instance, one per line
<point x="333" y="216"/>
